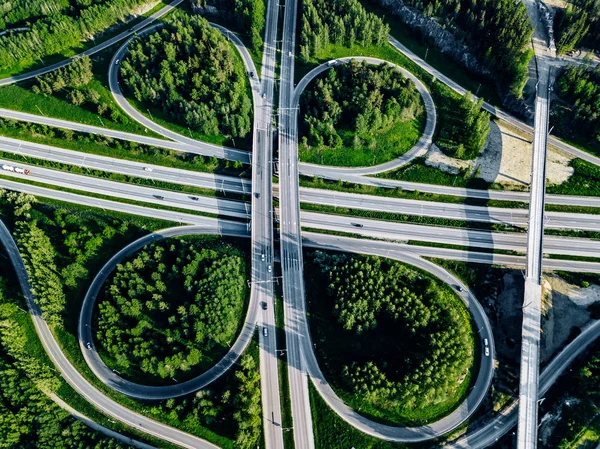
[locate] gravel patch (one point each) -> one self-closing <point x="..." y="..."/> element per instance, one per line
<point x="561" y="314"/>
<point x="505" y="159"/>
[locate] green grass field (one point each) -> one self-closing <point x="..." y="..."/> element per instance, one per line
<point x="389" y="144"/>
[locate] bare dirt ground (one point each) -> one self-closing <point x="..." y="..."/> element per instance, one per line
<point x="564" y="309"/>
<point x="505" y="159"/>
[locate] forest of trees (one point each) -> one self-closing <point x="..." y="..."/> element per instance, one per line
<point x="189" y="70"/>
<point x="580" y="87"/>
<point x="82" y="240"/>
<point x="578" y="25"/>
<point x="16" y="12"/>
<point x="497" y="31"/>
<point x="53" y="33"/>
<point x="248" y="16"/>
<point x="352" y="104"/>
<point x="28" y="418"/>
<point x="383" y="307"/>
<point x="340" y="22"/>
<point x="71" y="83"/>
<point x="173" y="306"/>
<point x="463" y="128"/>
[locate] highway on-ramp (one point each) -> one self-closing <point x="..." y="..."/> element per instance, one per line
<point x="419" y="149"/>
<point x="75" y="379"/>
<point x="32" y="74"/>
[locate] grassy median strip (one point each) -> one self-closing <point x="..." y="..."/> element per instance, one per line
<point x="118" y="177"/>
<point x="119" y="149"/>
<point x="117" y="199"/>
<point x="405" y="218"/>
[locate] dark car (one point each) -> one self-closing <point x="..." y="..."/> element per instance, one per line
<point x="159" y="197"/>
<point x="195" y="198"/>
<point x="263" y="305"/>
<point x="357" y="225"/>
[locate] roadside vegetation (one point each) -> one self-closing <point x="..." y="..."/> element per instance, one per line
<point x="578" y="118"/>
<point x="189" y="72"/>
<point x="172" y="310"/>
<point x="382" y="307"/>
<point x="462" y="126"/>
<point x="30" y="419"/>
<point x="584" y="181"/>
<point x="578" y="403"/>
<point x="247" y="16"/>
<point x="121" y="149"/>
<point x="82" y="239"/>
<point x="497" y="32"/>
<point x="342" y="22"/>
<point x="66" y="94"/>
<point x="358" y="115"/>
<point x="56" y="27"/>
<point x="578" y="25"/>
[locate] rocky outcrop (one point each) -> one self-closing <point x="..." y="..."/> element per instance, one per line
<point x="441" y="38"/>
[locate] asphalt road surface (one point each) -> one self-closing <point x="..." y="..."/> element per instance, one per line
<point x="290" y="237"/>
<point x="200" y="148"/>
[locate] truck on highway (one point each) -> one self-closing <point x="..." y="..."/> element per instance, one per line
<point x="14" y="169"/>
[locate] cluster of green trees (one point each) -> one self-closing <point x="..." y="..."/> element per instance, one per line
<point x="578" y="25"/>
<point x="384" y="308"/>
<point x="71" y="83"/>
<point x="464" y="127"/>
<point x="18" y="11"/>
<point x="354" y="102"/>
<point x="248" y="16"/>
<point x="498" y="31"/>
<point x="340" y="22"/>
<point x="580" y="86"/>
<point x="230" y="407"/>
<point x="189" y="70"/>
<point x="56" y="32"/>
<point x="39" y="256"/>
<point x="28" y="418"/>
<point x="176" y="305"/>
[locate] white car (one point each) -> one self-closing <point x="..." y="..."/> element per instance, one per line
<point x="117" y="62"/>
<point x="486" y="342"/>
<point x="290" y="54"/>
<point x="265" y="333"/>
<point x="487" y="351"/>
<point x="89" y="346"/>
<point x="269" y="268"/>
<point x="262" y="257"/>
<point x="148" y="169"/>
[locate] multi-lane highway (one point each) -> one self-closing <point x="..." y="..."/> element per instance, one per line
<point x="290" y="238"/>
<point x="263" y="252"/>
<point x="511" y="241"/>
<point x="182" y="217"/>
